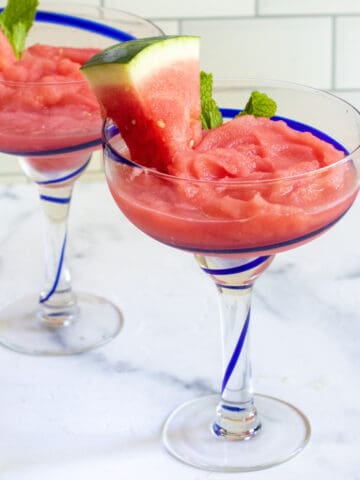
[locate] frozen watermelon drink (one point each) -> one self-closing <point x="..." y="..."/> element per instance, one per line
<point x="50" y="118"/>
<point x="46" y="91"/>
<point x="277" y="166"/>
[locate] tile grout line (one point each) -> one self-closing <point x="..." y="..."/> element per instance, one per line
<point x="333" y="53"/>
<point x="347" y="90"/>
<point x="309" y="14"/>
<point x="178" y="26"/>
<point x="252" y="17"/>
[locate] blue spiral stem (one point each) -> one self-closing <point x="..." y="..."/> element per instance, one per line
<point x="236" y="354"/>
<point x="236" y="415"/>
<point x="55" y="195"/>
<point x="45" y="298"/>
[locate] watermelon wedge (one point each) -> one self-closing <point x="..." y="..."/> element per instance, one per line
<point x="150" y="89"/>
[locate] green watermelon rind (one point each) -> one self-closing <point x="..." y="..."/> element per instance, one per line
<point x="121" y="52"/>
<point x="138" y="57"/>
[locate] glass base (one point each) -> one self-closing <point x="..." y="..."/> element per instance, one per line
<point x="188" y="436"/>
<point x="22" y="330"/>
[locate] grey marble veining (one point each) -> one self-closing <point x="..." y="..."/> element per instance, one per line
<point x="99" y="414"/>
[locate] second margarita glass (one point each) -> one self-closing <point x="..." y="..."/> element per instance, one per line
<point x="235" y="227"/>
<point x="53" y="125"/>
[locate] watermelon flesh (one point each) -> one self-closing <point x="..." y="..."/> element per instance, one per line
<point x="158" y="117"/>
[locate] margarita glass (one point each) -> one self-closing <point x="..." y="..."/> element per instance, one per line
<point x="54" y="125"/>
<point x="237" y="430"/>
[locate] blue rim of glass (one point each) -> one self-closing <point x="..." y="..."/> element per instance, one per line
<point x="230" y="113"/>
<point x="83" y="24"/>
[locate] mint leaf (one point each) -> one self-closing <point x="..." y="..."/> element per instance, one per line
<point x="16" y="20"/>
<point x="259" y="105"/>
<point x="210" y="114"/>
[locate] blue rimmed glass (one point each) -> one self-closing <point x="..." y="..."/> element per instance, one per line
<point x="237" y="430"/>
<point x="60" y="321"/>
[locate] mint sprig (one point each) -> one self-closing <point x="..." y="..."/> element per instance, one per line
<point x="259" y="105"/>
<point x="210" y="114"/>
<point x="16" y="20"/>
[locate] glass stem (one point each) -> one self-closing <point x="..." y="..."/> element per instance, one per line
<point x="236" y="413"/>
<point x="236" y="417"/>
<point x="57" y="301"/>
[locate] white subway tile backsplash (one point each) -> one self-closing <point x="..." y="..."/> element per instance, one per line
<point x="185" y="8"/>
<point x="169" y="27"/>
<point x="351" y="96"/>
<point x="295" y="49"/>
<point x="347" y="52"/>
<point x="288" y="39"/>
<point x="284" y="7"/>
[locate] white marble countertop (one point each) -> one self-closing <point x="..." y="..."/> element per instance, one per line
<point x="99" y="415"/>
